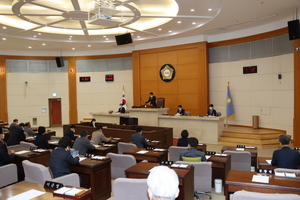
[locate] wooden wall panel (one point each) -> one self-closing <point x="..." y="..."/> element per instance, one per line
<point x="136" y="78"/>
<point x="186" y="89"/>
<point x="73" y="114"/>
<point x="296" y="137"/>
<point x="3" y="91"/>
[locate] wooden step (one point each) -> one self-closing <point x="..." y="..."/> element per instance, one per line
<point x="249" y="140"/>
<point x="261" y="146"/>
<point x="249" y="135"/>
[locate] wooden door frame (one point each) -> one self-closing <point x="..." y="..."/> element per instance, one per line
<point x="50" y="112"/>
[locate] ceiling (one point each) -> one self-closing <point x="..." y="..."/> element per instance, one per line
<point x="66" y="25"/>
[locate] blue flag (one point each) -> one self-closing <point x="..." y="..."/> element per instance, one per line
<point x="229" y="105"/>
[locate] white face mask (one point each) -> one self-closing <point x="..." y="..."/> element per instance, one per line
<point x="3" y="136"/>
<point x="210" y="108"/>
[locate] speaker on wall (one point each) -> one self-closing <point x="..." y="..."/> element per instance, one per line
<point x="294" y="29"/>
<point x="59" y="61"/>
<point x="123" y="39"/>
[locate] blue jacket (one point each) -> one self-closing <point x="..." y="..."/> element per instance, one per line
<point x="139" y="140"/>
<point x="286" y="158"/>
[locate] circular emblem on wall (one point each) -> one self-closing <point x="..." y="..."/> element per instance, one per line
<point x="167" y="73"/>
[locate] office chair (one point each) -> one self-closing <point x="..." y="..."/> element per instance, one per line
<point x="174" y="152"/>
<point x="37" y="173"/>
<point x="8" y="174"/>
<point x="240" y="160"/>
<point x="123" y="146"/>
<point x="202" y="177"/>
<point x="119" y="163"/>
<point x="130" y="189"/>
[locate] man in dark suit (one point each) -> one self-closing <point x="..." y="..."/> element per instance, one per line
<point x="82" y="144"/>
<point x="285" y="157"/>
<point x="138" y="139"/>
<point x="17" y="135"/>
<point x="61" y="158"/>
<point x="152" y="99"/>
<point x="70" y="132"/>
<point x="192" y="151"/>
<point x="121" y="109"/>
<point x="211" y="111"/>
<point x="180" y="111"/>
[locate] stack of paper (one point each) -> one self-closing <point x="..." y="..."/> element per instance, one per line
<point x="142" y="152"/>
<point x="30" y="194"/>
<point x="69" y="191"/>
<point x="260" y="179"/>
<point x="21" y="152"/>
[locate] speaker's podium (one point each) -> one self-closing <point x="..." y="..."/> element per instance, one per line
<point x="128" y="121"/>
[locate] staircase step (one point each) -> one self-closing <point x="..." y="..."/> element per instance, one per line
<point x="254" y="136"/>
<point x="249" y="140"/>
<point x="261" y="146"/>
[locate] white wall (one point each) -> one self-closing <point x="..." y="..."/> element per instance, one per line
<point x="101" y="96"/>
<point x="25" y="101"/>
<point x="260" y="94"/>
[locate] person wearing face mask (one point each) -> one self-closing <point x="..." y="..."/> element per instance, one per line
<point x="93" y="122"/>
<point x="152" y="99"/>
<point x="61" y="158"/>
<point x="5" y="155"/>
<point x="180" y="111"/>
<point x="211" y="111"/>
<point x="70" y="132"/>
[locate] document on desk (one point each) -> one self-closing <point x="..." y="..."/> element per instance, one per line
<point x="21" y="152"/>
<point x="30" y="194"/>
<point x="269" y="161"/>
<point x="207" y="157"/>
<point x="142" y="152"/>
<point x="54" y="142"/>
<point x="81" y="158"/>
<point x="240" y="149"/>
<point x="260" y="179"/>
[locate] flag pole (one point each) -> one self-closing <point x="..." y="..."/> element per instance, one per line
<point x="226" y="125"/>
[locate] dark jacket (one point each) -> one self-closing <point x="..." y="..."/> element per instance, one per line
<point x="182" y="142"/>
<point x="286" y="158"/>
<point x="82" y="144"/>
<point x="152" y="101"/>
<point x="60" y="160"/>
<point x="41" y="142"/>
<point x="70" y="134"/>
<point x="4" y="157"/>
<point x="139" y="140"/>
<point x="181" y="112"/>
<point x="121" y="110"/>
<point x="212" y="112"/>
<point x="16" y="136"/>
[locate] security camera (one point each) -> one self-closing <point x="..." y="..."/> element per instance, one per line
<point x="298" y="49"/>
<point x="26" y="82"/>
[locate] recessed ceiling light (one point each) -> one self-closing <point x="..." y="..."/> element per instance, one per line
<point x="4" y="38"/>
<point x="192" y="10"/>
<point x="107" y="38"/>
<point x="73" y="48"/>
<point x="209" y="9"/>
<point x="170" y="31"/>
<point x="29" y="47"/>
<point x="159" y="29"/>
<point x="39" y="34"/>
<point x="4" y="27"/>
<point x="194" y="23"/>
<point x="71" y="36"/>
<point x="104" y="35"/>
<point x="43" y="44"/>
<point x="89" y="45"/>
<point x="34" y="36"/>
<point x="138" y="36"/>
<point x="179" y="22"/>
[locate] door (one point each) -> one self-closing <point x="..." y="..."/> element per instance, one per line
<point x="55" y="112"/>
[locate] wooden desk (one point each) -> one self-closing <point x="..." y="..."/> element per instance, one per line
<point x="24" y="186"/>
<point x="242" y="180"/>
<point x="186" y="178"/>
<point x="103" y="150"/>
<point x="253" y="152"/>
<point x="201" y="147"/>
<point x="221" y="166"/>
<point x="262" y="163"/>
<point x="41" y="158"/>
<point x="95" y="174"/>
<point x="151" y="156"/>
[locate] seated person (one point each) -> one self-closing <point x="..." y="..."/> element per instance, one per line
<point x="17" y="135"/>
<point x="180" y="111"/>
<point x="285" y="157"/>
<point x="98" y="137"/>
<point x="183" y="141"/>
<point x="13" y="125"/>
<point x="41" y="140"/>
<point x="138" y="139"/>
<point x="192" y="151"/>
<point x="162" y="183"/>
<point x="82" y="144"/>
<point x="5" y="155"/>
<point x="28" y="130"/>
<point x="93" y="122"/>
<point x="121" y="109"/>
<point x="61" y="158"/>
<point x="211" y="111"/>
<point x="70" y="132"/>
